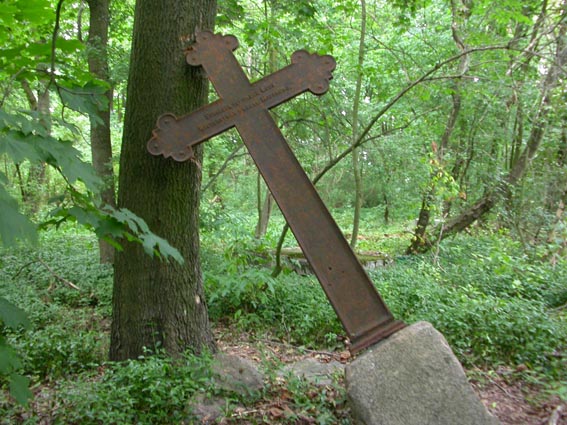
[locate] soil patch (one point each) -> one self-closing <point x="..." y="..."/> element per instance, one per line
<point x="513" y="402"/>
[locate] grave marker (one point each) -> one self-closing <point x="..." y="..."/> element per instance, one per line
<point x="244" y="105"/>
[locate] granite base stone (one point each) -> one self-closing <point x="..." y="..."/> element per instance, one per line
<point x="413" y="378"/>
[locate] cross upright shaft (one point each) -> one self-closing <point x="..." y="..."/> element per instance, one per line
<point x="363" y="313"/>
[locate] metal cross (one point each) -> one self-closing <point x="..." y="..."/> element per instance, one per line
<point x="244" y="105"/>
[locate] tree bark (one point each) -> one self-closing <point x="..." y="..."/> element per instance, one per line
<point x="32" y="190"/>
<point x="356" y="168"/>
<point x="265" y="203"/>
<point x="159" y="304"/>
<point x="101" y="144"/>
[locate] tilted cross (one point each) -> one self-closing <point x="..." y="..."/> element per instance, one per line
<point x="244" y="105"/>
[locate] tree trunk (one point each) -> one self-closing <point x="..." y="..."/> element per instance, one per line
<point x="101" y="145"/>
<point x="265" y="203"/>
<point x="159" y="304"/>
<point x="420" y="241"/>
<point x="356" y="169"/>
<point x="386" y="200"/>
<point x="264" y="210"/>
<point x="33" y="193"/>
<point x="535" y="137"/>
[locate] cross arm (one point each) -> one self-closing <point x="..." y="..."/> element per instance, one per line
<point x="175" y="137"/>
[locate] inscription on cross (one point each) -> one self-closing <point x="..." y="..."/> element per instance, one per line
<point x="244" y="105"/>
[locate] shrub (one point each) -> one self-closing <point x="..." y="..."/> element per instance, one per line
<point x="293" y="307"/>
<point x="55" y="351"/>
<point x="150" y="390"/>
<point x="492" y="303"/>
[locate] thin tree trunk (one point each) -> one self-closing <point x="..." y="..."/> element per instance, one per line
<point x="159" y="304"/>
<point x="559" y="244"/>
<point x="519" y="168"/>
<point x="265" y="203"/>
<point x="233" y="155"/>
<point x="420" y="240"/>
<point x="386" y="200"/>
<point x="32" y="189"/>
<point x="264" y="212"/>
<point x="101" y="144"/>
<point x="356" y="169"/>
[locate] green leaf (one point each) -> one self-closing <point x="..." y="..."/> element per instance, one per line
<point x="152" y="244"/>
<point x="88" y="99"/>
<point x="69" y="46"/>
<point x="35" y="12"/>
<point x="19" y="147"/>
<point x="39" y="50"/>
<point x="7" y="12"/>
<point x="63" y="154"/>
<point x="14" y="226"/>
<point x="109" y="227"/>
<point x="19" y="388"/>
<point x="9" y="360"/>
<point x="135" y="223"/>
<point x="11" y="316"/>
<point x="85" y="216"/>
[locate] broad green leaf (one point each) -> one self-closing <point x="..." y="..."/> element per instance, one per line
<point x="14" y="226"/>
<point x="109" y="227"/>
<point x="19" y="388"/>
<point x="151" y="243"/>
<point x="63" y="154"/>
<point x="25" y="121"/>
<point x="85" y="217"/>
<point x="35" y="12"/>
<point x="69" y="46"/>
<point x="7" y="12"/>
<point x="12" y="316"/>
<point x="39" y="50"/>
<point x="20" y="147"/>
<point x="135" y="223"/>
<point x="9" y="360"/>
<point x="88" y="99"/>
<point x="10" y="54"/>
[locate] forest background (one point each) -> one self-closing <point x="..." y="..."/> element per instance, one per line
<point x="440" y="148"/>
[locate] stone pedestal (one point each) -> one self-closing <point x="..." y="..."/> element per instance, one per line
<point x="413" y="378"/>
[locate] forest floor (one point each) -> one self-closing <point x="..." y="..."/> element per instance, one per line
<point x="513" y="401"/>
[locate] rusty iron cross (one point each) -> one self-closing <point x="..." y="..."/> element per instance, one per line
<point x="244" y="105"/>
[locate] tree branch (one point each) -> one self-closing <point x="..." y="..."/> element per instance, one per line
<point x="54" y="36"/>
<point x="277" y="268"/>
<point x="233" y="155"/>
<point x="56" y="276"/>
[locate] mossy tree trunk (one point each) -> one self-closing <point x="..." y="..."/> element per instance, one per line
<point x="156" y="303"/>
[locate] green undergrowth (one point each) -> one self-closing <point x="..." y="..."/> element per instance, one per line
<point x="150" y="390"/>
<point x="496" y="303"/>
<point x="67" y="297"/>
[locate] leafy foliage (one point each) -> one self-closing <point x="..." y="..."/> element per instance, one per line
<point x="490" y="314"/>
<point x="150" y="390"/>
<point x="12" y="317"/>
<point x="492" y="301"/>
